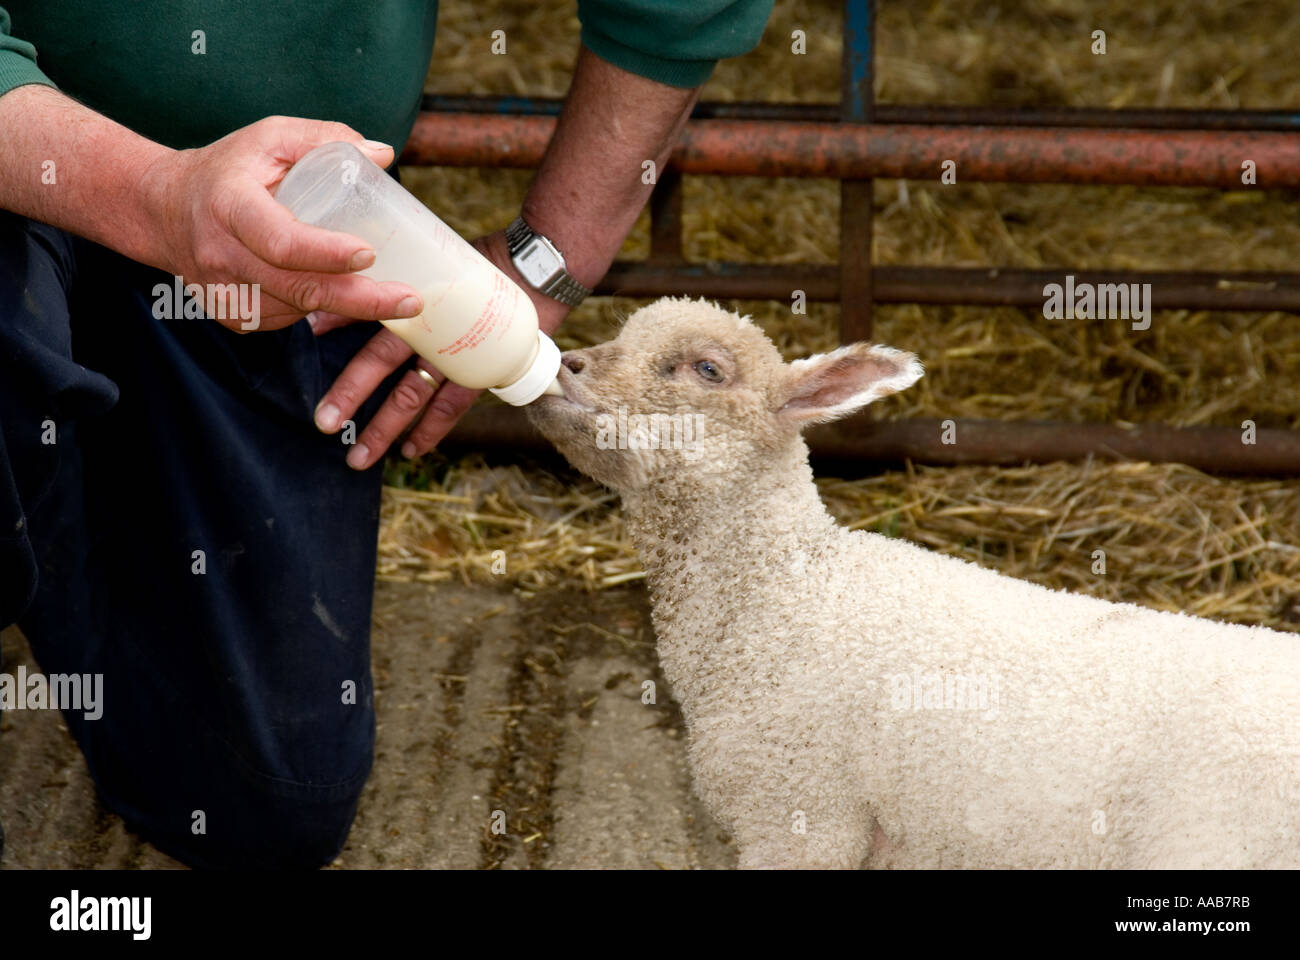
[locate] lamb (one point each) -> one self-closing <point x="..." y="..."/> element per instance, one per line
<point x="856" y="700"/>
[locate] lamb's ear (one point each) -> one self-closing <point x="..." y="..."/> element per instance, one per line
<point x="833" y="385"/>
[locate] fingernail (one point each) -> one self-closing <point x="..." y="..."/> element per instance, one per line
<point x="409" y="307"/>
<point x="358" y="456"/>
<point x="361" y="259"/>
<point x="313" y="319"/>
<point x="408" y="449"/>
<point x="327" y="417"/>
<point x="375" y="145"/>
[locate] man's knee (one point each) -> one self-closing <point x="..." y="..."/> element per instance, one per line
<point x="231" y="823"/>
<point x="277" y="833"/>
<point x="227" y="795"/>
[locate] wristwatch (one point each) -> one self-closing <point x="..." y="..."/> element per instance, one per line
<point x="542" y="264"/>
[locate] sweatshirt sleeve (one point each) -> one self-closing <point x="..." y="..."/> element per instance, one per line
<point x="17" y="60"/>
<point x="676" y="42"/>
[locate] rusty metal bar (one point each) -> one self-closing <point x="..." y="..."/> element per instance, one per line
<point x="666" y="219"/>
<point x="857" y="212"/>
<point x="862" y="151"/>
<point x="948" y="285"/>
<point x="1009" y="443"/>
<point x="859" y="440"/>
<point x="949" y="116"/>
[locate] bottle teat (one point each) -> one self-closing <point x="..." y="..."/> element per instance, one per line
<point x="539" y="378"/>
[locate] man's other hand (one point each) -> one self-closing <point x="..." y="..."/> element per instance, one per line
<point x="414" y="403"/>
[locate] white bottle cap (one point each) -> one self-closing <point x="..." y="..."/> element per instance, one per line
<point x="539" y="376"/>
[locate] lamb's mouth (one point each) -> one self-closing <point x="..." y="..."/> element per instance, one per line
<point x="568" y="398"/>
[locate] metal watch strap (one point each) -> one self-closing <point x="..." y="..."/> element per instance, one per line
<point x="562" y="286"/>
<point x="517" y="234"/>
<point x="565" y="289"/>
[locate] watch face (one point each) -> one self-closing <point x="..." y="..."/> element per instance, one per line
<point x="537" y="262"/>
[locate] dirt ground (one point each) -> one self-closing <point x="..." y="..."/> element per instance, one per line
<point x="486" y="701"/>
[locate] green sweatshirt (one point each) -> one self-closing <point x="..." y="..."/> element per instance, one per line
<point x="187" y="72"/>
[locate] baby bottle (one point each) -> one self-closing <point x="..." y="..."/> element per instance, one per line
<point x="478" y="327"/>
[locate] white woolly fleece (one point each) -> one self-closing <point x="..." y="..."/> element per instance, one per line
<point x="1108" y="735"/>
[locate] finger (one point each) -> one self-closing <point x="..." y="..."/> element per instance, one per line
<point x="382" y="354"/>
<point x="346" y="294"/>
<point x="275" y="236"/>
<point x="322" y="321"/>
<point x="447" y="407"/>
<point x="229" y="306"/>
<point x="395" y="414"/>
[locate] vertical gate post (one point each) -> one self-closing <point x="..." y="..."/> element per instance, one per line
<point x="857" y="97"/>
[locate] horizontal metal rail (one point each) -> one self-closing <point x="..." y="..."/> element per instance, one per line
<point x="761" y="148"/>
<point x="989" y="286"/>
<point x="976" y="441"/>
<point x="953" y="116"/>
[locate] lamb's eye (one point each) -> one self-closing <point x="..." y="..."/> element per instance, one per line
<point x="709" y="371"/>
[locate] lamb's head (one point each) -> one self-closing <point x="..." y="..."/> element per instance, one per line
<point x="691" y="391"/>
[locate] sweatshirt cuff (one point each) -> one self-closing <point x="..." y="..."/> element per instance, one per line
<point x="674" y="73"/>
<point x="18" y="71"/>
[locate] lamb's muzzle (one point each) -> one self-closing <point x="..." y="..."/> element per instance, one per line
<point x="855" y="699"/>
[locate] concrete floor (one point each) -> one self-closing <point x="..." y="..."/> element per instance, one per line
<point x="485" y="702"/>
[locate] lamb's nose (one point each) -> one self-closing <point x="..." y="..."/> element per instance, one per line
<point x="573" y="362"/>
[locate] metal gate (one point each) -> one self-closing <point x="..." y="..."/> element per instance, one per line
<point x="857" y="141"/>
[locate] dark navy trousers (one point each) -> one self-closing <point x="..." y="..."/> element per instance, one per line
<point x="192" y="537"/>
